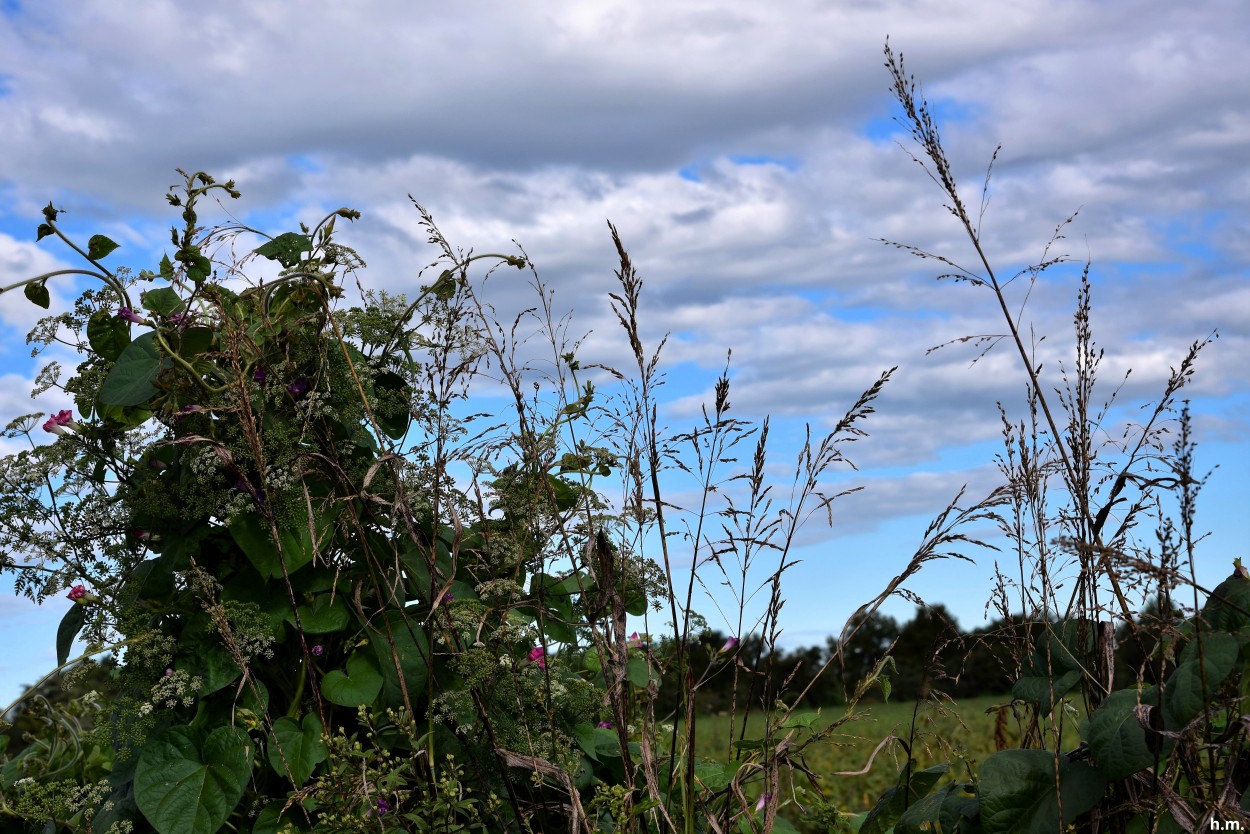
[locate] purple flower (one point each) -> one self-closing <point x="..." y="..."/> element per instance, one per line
<point x="730" y="645"/>
<point x="383" y="807"/>
<point x="636" y="641"/>
<point x="297" y="388"/>
<point x="169" y="673"/>
<point x="81" y="596"/>
<point x="318" y="650"/>
<point x="607" y="725"/>
<point x="259" y="376"/>
<point x="180" y="319"/>
<point x="763" y="801"/>
<point x="448" y="598"/>
<point x="129" y="315"/>
<point x="538" y="655"/>
<point x="141" y="534"/>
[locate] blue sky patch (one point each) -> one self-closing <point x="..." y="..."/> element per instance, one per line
<point x="948" y="111"/>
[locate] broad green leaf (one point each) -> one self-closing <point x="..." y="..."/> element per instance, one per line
<point x="286" y="248"/>
<point x="167" y="268"/>
<point x="270" y="819"/>
<point x="323" y="616"/>
<point x="393" y="404"/>
<point x="565" y="496"/>
<point x="411" y="648"/>
<point x="802" y="719"/>
<point x="960" y="809"/>
<point x="1228" y="607"/>
<point x="99" y="247"/>
<point x="296" y="748"/>
<point x="191" y="342"/>
<point x="71" y="624"/>
<point x="921" y="817"/>
<point x="1195" y="681"/>
<point x="43" y="231"/>
<point x="639" y="672"/>
<point x="185" y="788"/>
<point x="1055" y="668"/>
<point x="207" y="658"/>
<point x="607" y="743"/>
<point x="912" y="786"/>
<point x="584" y="735"/>
<point x="130" y="381"/>
<point x="359" y="686"/>
<point x="164" y="301"/>
<point x="108" y="335"/>
<point x="252" y="535"/>
<point x="714" y="776"/>
<point x="1018" y="796"/>
<point x="1116" y="738"/>
<point x="38" y="294"/>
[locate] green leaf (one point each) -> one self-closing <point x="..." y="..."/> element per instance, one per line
<point x="1183" y="694"/>
<point x="167" y="268"/>
<point x="801" y="719"/>
<point x="297" y="747"/>
<point x="1116" y="738"/>
<point x="164" y="301"/>
<point x="358" y="687"/>
<point x="411" y="647"/>
<point x="445" y="287"/>
<point x="198" y="266"/>
<point x="130" y="381"/>
<point x="584" y="735"/>
<point x="71" y="624"/>
<point x="1226" y="609"/>
<point x="38" y="294"/>
<point x="192" y="341"/>
<point x="899" y="798"/>
<point x="638" y="671"/>
<point x="286" y="248"/>
<point x="714" y="776"/>
<point x="108" y="335"/>
<point x="393" y="411"/>
<point x="323" y="616"/>
<point x="253" y="537"/>
<point x="183" y="788"/>
<point x="921" y="817"/>
<point x="99" y="247"/>
<point x="43" y="231"/>
<point x="208" y="659"/>
<point x="1018" y="796"/>
<point x="1058" y="660"/>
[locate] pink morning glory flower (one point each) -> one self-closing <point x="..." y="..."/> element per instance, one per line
<point x="538" y="655"/>
<point x="59" y="422"/>
<point x="129" y="315"/>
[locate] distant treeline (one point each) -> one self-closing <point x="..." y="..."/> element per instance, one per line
<point x="930" y="652"/>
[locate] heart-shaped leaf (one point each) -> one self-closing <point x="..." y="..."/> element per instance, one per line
<point x="130" y="381"/>
<point x="38" y="294"/>
<point x="185" y="788"/>
<point x="297" y="747"/>
<point x="108" y="335"/>
<point x="1018" y="792"/>
<point x="99" y="247"/>
<point x="359" y="686"/>
<point x="286" y="248"/>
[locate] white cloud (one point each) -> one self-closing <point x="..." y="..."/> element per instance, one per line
<point x="540" y="120"/>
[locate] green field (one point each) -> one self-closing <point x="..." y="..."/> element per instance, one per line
<point x="959" y="733"/>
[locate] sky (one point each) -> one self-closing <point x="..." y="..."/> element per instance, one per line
<point x="747" y="154"/>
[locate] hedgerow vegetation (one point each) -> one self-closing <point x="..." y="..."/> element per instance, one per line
<point x="320" y="591"/>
